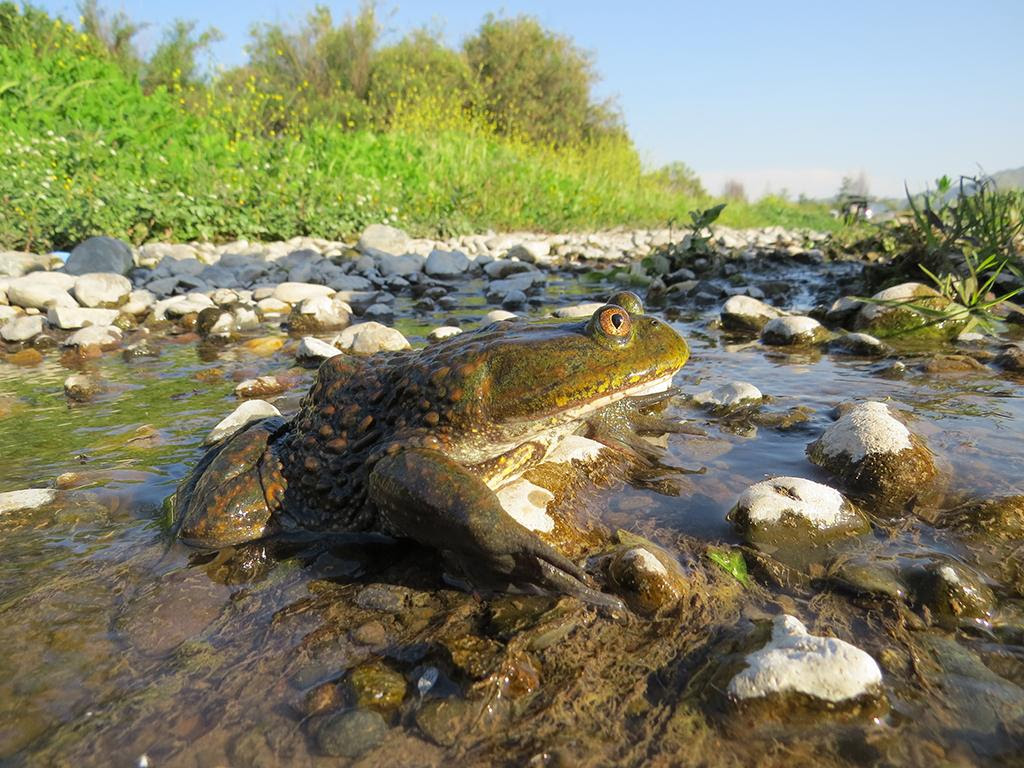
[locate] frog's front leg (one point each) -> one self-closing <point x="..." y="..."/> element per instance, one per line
<point x="424" y="495"/>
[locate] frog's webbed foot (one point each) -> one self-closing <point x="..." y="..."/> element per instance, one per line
<point x="229" y="497"/>
<point x="425" y="496"/>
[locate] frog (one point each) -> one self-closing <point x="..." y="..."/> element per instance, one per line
<point x="413" y="444"/>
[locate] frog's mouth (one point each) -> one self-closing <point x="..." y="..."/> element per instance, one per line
<point x="660" y="384"/>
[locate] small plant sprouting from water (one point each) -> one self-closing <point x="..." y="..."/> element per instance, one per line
<point x="731" y="561"/>
<point x="964" y="243"/>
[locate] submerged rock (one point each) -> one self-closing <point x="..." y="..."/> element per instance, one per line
<point x="796" y="662"/>
<point x="351" y="734"/>
<point x="795" y="511"/>
<point x="82" y="387"/>
<point x="744" y="314"/>
<point x="951" y="591"/>
<point x="29" y="498"/>
<point x="870" y="450"/>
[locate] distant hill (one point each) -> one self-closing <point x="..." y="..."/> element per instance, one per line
<point x="1009" y="179"/>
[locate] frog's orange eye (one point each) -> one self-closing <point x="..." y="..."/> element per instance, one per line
<point x="614" y="321"/>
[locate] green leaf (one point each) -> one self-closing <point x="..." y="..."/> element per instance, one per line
<point x="732" y="562"/>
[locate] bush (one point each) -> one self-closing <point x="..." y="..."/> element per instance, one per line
<point x="536" y="83"/>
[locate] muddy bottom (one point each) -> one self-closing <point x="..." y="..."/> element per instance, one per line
<point x="124" y="647"/>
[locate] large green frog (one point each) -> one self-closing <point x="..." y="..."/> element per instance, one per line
<point x="414" y="444"/>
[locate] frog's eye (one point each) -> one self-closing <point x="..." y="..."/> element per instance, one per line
<point x="614" y="322"/>
<point x="629" y="301"/>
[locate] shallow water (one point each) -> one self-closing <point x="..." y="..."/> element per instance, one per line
<point x="121" y="643"/>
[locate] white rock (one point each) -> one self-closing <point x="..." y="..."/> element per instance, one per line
<point x="295" y="293"/>
<point x="312" y="349"/>
<point x="859" y="344"/>
<point x="33" y="291"/>
<point x="868" y="428"/>
<point x="101" y="289"/>
<point x="530" y="250"/>
<point x="527" y="504"/>
<point x="443" y="332"/>
<point x="792" y="329"/>
<point x="160" y="307"/>
<point x="242" y="416"/>
<point x="767" y="502"/>
<point x="497" y="316"/>
<point x="69" y="318"/>
<point x="30" y="498"/>
<point x="743" y="313"/>
<point x="729" y="395"/>
<point x="22" y="328"/>
<point x="94" y="336"/>
<point x="367" y="338"/>
<point x="6" y="313"/>
<point x="578" y="310"/>
<point x="191" y="304"/>
<point x="272" y="307"/>
<point x="797" y="662"/>
<point x="139" y="302"/>
<point x="322" y="313"/>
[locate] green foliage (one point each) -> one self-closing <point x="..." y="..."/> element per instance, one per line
<point x="963" y="242"/>
<point x="731" y="561"/>
<point x="416" y="68"/>
<point x="679" y="177"/>
<point x="85" y="149"/>
<point x="536" y="83"/>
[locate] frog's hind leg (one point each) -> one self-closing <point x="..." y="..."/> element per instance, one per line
<point x="424" y="495"/>
<point x="231" y="495"/>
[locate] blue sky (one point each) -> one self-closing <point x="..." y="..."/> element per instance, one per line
<point x="781" y="95"/>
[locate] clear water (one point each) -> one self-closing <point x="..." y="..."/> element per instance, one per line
<point x="118" y="644"/>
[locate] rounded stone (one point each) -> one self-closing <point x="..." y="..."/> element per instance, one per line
<point x="731" y="395"/>
<point x="793" y="330"/>
<point x="367" y="338"/>
<point x="870" y="450"/>
<point x="860" y="344"/>
<point x="102" y="289"/>
<point x="795" y="511"/>
<point x="648" y="576"/>
<point x="100" y="254"/>
<point x="22" y="328"/>
<point x="744" y="314"/>
<point x="891" y="313"/>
